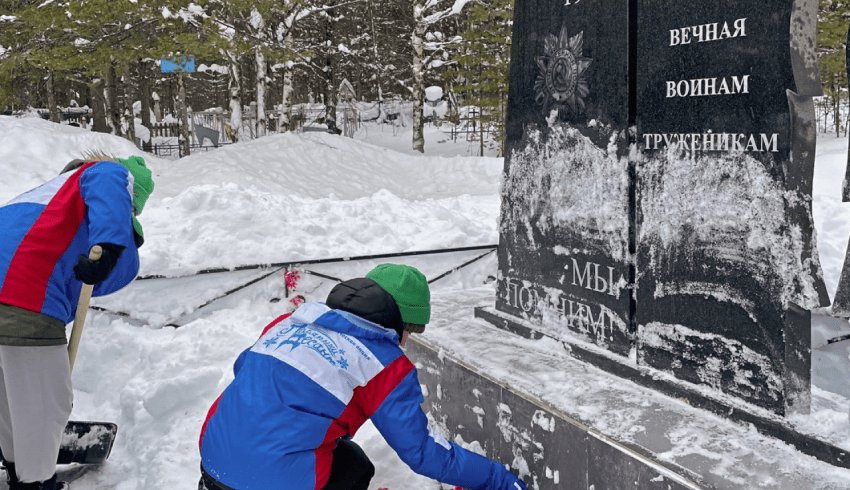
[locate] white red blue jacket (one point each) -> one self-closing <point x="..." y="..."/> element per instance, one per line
<point x="45" y="230"/>
<point x="312" y="378"/>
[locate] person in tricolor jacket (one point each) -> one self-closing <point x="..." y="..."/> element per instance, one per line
<point x="45" y="238"/>
<point x="314" y="377"/>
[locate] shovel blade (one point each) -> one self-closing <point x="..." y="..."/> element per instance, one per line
<point x="86" y="442"/>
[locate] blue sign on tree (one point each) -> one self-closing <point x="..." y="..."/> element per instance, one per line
<point x="173" y="64"/>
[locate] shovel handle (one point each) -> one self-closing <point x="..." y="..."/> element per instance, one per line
<point x="82" y="309"/>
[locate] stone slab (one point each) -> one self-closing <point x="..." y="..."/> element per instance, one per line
<point x="549" y="450"/>
<point x="691" y="394"/>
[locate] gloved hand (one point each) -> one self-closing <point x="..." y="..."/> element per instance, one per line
<point x="139" y="239"/>
<point x="96" y="271"/>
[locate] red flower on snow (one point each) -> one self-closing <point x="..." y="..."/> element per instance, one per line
<point x="297" y="301"/>
<point x="291" y="278"/>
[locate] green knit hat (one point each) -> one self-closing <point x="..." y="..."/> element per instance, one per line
<point x="142" y="186"/>
<point x="409" y="289"/>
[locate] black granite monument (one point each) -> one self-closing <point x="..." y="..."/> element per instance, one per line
<point x="657" y="196"/>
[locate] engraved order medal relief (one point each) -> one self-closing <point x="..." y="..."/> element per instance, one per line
<point x="560" y="80"/>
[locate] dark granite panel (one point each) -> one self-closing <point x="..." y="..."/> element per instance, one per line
<point x="657" y="192"/>
<point x="739" y="54"/>
<point x="578" y="294"/>
<point x="456" y="398"/>
<point x="553" y="451"/>
<point x="564" y="235"/>
<point x="797" y="375"/>
<point x="572" y="57"/>
<point x="724" y="191"/>
<point x="610" y="469"/>
<point x="799" y="173"/>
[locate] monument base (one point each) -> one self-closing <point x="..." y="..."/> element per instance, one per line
<point x="563" y="422"/>
<point x="763" y="421"/>
<point x="549" y="449"/>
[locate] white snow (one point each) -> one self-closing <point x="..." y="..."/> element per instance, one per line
<point x="433" y="93"/>
<point x="313" y="196"/>
<point x="733" y="203"/>
<point x="570" y="189"/>
<point x="279" y="198"/>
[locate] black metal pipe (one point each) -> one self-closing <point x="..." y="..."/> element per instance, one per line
<point x="320" y="261"/>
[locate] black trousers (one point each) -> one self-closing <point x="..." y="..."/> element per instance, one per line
<point x="350" y="470"/>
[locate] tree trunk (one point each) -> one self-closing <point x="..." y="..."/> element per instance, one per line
<point x="261" y="92"/>
<point x="286" y="99"/>
<point x="503" y="126"/>
<point x="846" y="185"/>
<point x="145" y="98"/>
<point x="157" y="107"/>
<point x="376" y="56"/>
<point x="825" y="116"/>
<point x="837" y="106"/>
<point x="98" y="99"/>
<point x="451" y="102"/>
<point x="129" y="113"/>
<point x="235" y="95"/>
<point x="331" y="91"/>
<point x="184" y="120"/>
<point x="416" y="39"/>
<point x="246" y="131"/>
<point x="481" y="126"/>
<point x="113" y="112"/>
<point x="51" y="98"/>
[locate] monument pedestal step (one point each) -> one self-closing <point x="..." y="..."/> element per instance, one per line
<point x="557" y="414"/>
<point x="766" y="423"/>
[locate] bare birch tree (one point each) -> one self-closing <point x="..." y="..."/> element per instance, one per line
<point x="426" y="13"/>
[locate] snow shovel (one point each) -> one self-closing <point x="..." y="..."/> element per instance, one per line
<point x="85" y="442"/>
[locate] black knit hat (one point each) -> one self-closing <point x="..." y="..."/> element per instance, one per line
<point x="368" y="300"/>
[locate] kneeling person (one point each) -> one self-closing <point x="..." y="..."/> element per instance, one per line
<point x="314" y="377"/>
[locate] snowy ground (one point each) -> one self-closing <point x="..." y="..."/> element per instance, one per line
<point x="298" y="197"/>
<point x="832" y="217"/>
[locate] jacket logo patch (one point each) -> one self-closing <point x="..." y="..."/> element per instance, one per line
<point x="296" y="336"/>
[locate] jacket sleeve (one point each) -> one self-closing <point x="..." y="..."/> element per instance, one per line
<point x="403" y="424"/>
<point x="107" y="192"/>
